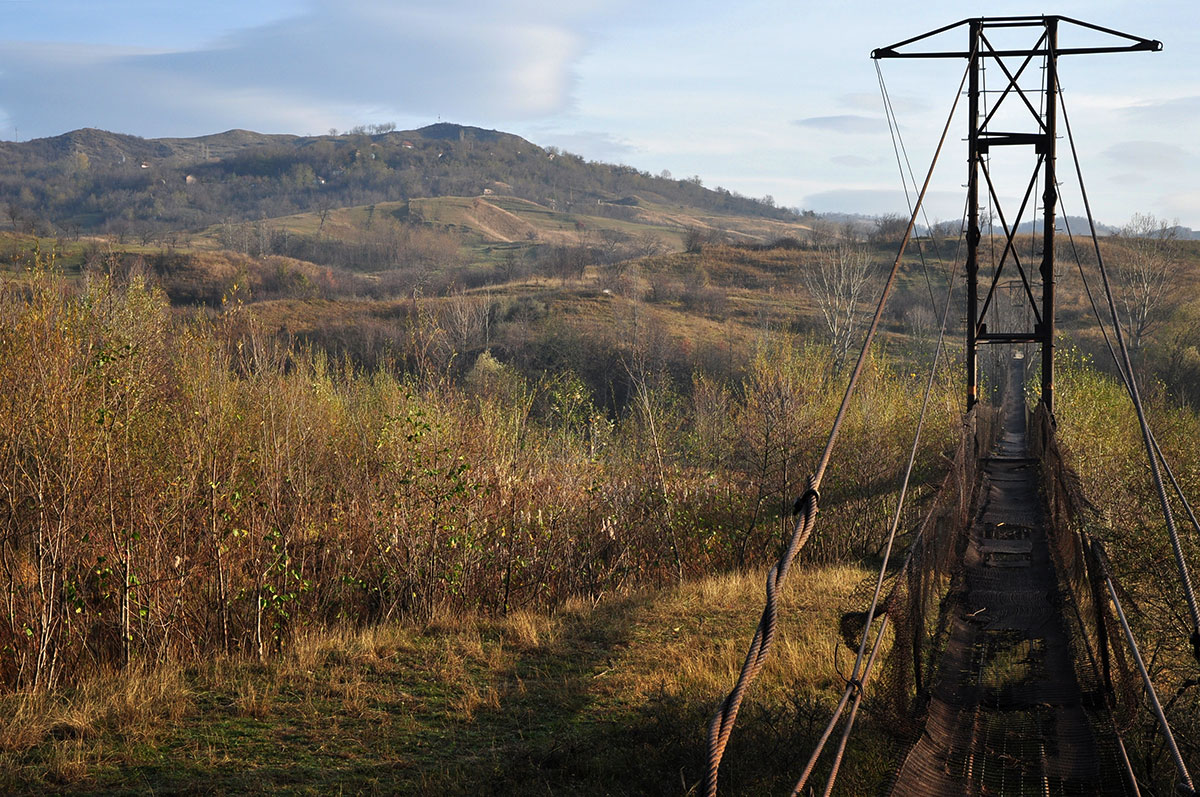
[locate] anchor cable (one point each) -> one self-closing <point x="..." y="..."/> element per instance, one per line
<point x="1135" y="395"/>
<point x="722" y="723"/>
<point x="857" y="680"/>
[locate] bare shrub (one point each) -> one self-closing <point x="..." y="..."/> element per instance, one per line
<point x="174" y="489"/>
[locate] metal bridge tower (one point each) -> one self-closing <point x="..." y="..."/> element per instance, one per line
<point x="1013" y="115"/>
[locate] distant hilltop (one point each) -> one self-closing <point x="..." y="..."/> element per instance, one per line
<point x="103" y="145"/>
<point x="91" y="180"/>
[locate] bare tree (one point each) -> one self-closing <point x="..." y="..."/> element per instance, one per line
<point x="946" y="230"/>
<point x="647" y="244"/>
<point x="836" y="280"/>
<point x="921" y="319"/>
<point x="823" y="232"/>
<point x="694" y="239"/>
<point x="1147" y="248"/>
<point x="465" y="322"/>
<point x="889" y="228"/>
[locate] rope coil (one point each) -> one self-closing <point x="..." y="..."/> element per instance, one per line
<point x="812" y="493"/>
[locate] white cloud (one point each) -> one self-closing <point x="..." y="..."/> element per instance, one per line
<point x="1171" y="112"/>
<point x="1148" y="155"/>
<point x="702" y="88"/>
<point x="845" y="123"/>
<point x="330" y="64"/>
<point x="873" y="101"/>
<point x="590" y="144"/>
<point x="855" y="161"/>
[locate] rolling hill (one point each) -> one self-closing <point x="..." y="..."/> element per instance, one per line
<point x="95" y="181"/>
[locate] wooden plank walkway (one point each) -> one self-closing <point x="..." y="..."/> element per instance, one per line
<point x="1006" y="712"/>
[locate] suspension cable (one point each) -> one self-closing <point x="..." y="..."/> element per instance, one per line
<point x="857" y="681"/>
<point x="858" y="696"/>
<point x="1135" y="396"/>
<point x="854" y="687"/>
<point x="1151" y="694"/>
<point x="901" y="152"/>
<point x="1095" y="545"/>
<point x="887" y="288"/>
<point x="722" y="723"/>
<point x="1187" y="505"/>
<point x="1054" y="473"/>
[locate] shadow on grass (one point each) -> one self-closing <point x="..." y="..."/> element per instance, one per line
<point x="594" y="706"/>
<point x="559" y="731"/>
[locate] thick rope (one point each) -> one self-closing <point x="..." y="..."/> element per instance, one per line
<point x="722" y="723"/>
<point x="857" y="680"/>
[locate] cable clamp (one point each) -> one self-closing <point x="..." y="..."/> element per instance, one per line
<point x="798" y="507"/>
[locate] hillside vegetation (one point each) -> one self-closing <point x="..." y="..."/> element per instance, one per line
<point x="356" y="454"/>
<point x="215" y="490"/>
<point x="219" y="493"/>
<point x="92" y="180"/>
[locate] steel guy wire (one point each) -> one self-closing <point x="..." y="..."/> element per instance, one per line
<point x="1135" y="396"/>
<point x="723" y="721"/>
<point x="1187" y="505"/>
<point x="857" y="680"/>
<point x="1151" y="694"/>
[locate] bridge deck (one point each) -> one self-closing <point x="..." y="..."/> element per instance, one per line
<point x="1007" y="714"/>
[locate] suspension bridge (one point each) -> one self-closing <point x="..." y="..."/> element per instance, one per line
<point x="1010" y="664"/>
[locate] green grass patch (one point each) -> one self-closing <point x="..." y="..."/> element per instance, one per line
<point x="605" y="699"/>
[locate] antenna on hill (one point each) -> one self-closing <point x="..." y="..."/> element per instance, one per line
<point x="982" y="138"/>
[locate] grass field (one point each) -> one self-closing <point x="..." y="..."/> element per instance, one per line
<point x="605" y="699"/>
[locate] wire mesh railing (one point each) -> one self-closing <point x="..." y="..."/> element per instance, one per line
<point x="1119" y="677"/>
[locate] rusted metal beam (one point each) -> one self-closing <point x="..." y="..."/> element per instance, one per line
<point x="1137" y="43"/>
<point x="1043" y="109"/>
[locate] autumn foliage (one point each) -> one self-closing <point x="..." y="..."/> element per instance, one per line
<point x="171" y="489"/>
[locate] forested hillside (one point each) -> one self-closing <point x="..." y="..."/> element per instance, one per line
<point x="96" y="181"/>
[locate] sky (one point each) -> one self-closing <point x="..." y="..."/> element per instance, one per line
<point x="762" y="97"/>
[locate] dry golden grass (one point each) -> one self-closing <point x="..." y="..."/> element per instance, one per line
<point x="473" y="698"/>
<point x="599" y="679"/>
<point x="255" y="697"/>
<point x="528" y="629"/>
<point x="705" y="627"/>
<point x="135" y="700"/>
<point x="66" y="734"/>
